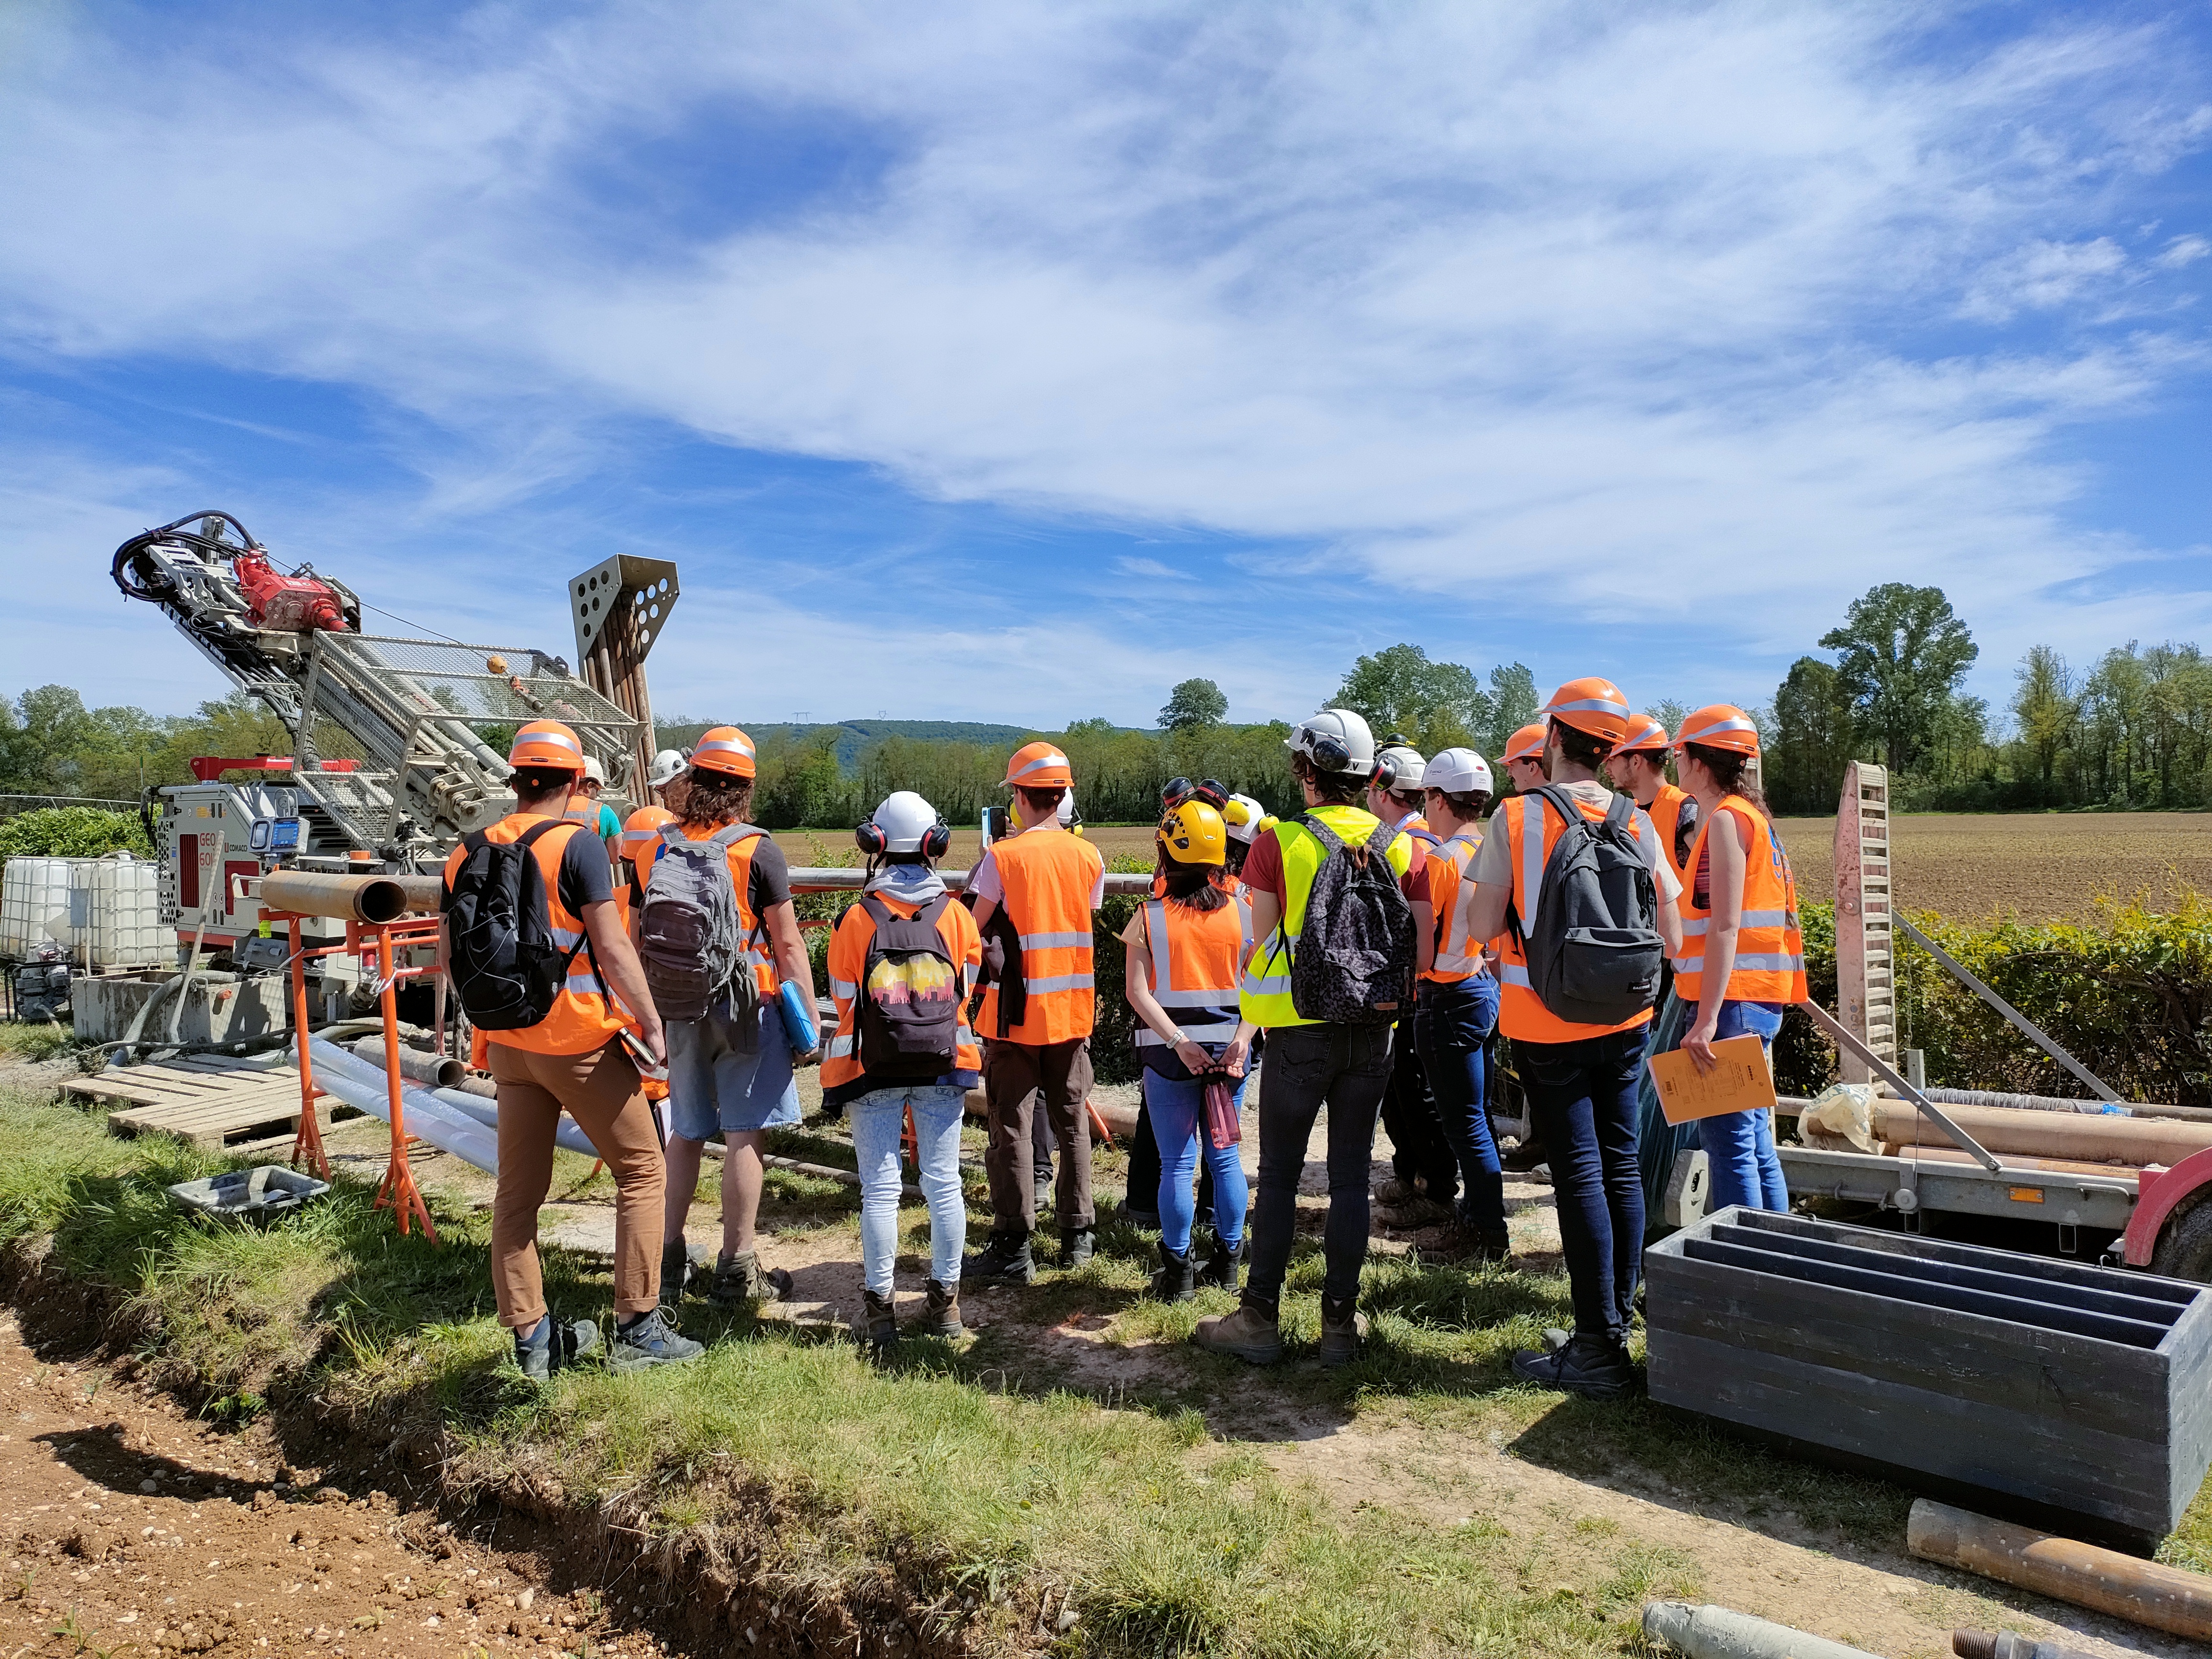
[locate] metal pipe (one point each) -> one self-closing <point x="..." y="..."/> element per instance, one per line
<point x="364" y="1086"/>
<point x="2163" y="1598"/>
<point x="354" y="898"/>
<point x="1969" y="1644"/>
<point x="1882" y="1069"/>
<point x="2093" y="1139"/>
<point x="1710" y="1632"/>
<point x="2026" y="1027"/>
<point x="432" y="1070"/>
<point x="425" y="894"/>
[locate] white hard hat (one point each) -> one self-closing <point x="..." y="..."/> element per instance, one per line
<point x="1334" y="740"/>
<point x="908" y="823"/>
<point x="1241" y="817"/>
<point x="1398" y="766"/>
<point x="665" y="765"/>
<point x="594" y="773"/>
<point x="1458" y="772"/>
<point x="1069" y="818"/>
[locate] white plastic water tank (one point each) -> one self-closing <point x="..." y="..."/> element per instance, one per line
<point x="35" y="904"/>
<point x="115" y="910"/>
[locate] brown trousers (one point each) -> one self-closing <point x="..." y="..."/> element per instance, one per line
<point x="599" y="1090"/>
<point x="1013" y="1074"/>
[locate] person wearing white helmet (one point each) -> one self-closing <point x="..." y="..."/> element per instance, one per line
<point x="1244" y="818"/>
<point x="1457" y="1003"/>
<point x="1343" y="1063"/>
<point x="665" y="778"/>
<point x="902" y="964"/>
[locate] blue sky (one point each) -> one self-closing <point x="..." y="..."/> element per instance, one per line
<point x="1009" y="362"/>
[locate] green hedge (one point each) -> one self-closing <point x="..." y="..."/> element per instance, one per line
<point x="71" y="832"/>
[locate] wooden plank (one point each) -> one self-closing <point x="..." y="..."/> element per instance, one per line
<point x="260" y="1107"/>
<point x="2188" y="1353"/>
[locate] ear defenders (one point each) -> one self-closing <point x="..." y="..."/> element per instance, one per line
<point x="1385" y="775"/>
<point x="936" y="841"/>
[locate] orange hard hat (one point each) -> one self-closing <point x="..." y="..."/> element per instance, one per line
<point x="1527" y="743"/>
<point x="1591" y="704"/>
<point x="548" y="744"/>
<point x="1646" y="736"/>
<point x="642" y="827"/>
<point x="724" y="749"/>
<point x="1039" y="766"/>
<point x="1719" y="726"/>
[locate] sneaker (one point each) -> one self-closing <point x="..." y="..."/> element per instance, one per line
<point x="1005" y="1261"/>
<point x="740" y="1281"/>
<point x="940" y="1314"/>
<point x="675" y="1274"/>
<point x="882" y="1324"/>
<point x="1342" y="1326"/>
<point x="1248" y="1333"/>
<point x="550" y="1347"/>
<point x="1223" y="1266"/>
<point x="1176" y="1280"/>
<point x="649" y="1341"/>
<point x="1591" y="1366"/>
<point x="1078" y="1245"/>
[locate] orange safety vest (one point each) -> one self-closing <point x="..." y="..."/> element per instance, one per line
<point x="583" y="1018"/>
<point x="1198" y="963"/>
<point x="1769" y="949"/>
<point x="1532" y="829"/>
<point x="1451" y="896"/>
<point x="1047" y="875"/>
<point x="1666" y="810"/>
<point x="752" y="934"/>
<point x="848" y="960"/>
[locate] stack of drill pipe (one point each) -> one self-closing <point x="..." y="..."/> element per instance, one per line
<point x="352" y="898"/>
<point x="2081" y="1138"/>
<point x="2015" y="1161"/>
<point x="363" y="1086"/>
<point x="1120" y="1119"/>
<point x="435" y="1070"/>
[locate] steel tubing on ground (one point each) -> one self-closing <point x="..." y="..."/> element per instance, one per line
<point x="353" y="898"/>
<point x="435" y="1070"/>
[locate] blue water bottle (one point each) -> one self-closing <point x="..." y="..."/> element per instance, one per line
<point x="797" y="1019"/>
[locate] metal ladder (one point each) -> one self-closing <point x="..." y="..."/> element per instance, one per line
<point x="1866" y="991"/>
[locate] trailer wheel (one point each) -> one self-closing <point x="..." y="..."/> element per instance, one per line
<point x="2184" y="1243"/>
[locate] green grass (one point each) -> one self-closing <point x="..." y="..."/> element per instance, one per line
<point x="34" y="1041"/>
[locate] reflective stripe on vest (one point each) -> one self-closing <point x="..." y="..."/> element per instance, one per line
<point x="1457" y="956"/>
<point x="1047" y="875"/>
<point x="1195" y="967"/>
<point x="1769" y="947"/>
<point x="1532" y="830"/>
<point x="1264" y="993"/>
<point x="849" y="955"/>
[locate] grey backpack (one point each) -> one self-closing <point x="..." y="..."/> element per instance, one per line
<point x="1353" y="963"/>
<point x="687" y="931"/>
<point x="1593" y="948"/>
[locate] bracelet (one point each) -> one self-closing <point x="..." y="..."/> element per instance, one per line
<point x="1178" y="1039"/>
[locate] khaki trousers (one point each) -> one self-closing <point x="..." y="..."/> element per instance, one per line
<point x="599" y="1090"/>
<point x="1014" y="1073"/>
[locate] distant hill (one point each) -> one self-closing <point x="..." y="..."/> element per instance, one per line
<point x="853" y="737"/>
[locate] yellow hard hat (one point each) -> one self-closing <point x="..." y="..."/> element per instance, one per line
<point x="1192" y="833"/>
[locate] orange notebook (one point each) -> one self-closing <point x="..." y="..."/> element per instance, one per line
<point x="1739" y="1081"/>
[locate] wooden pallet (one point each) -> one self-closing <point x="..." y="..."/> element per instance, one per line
<point x="206" y="1101"/>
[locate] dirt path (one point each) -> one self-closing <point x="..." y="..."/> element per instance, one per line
<point x="127" y="1524"/>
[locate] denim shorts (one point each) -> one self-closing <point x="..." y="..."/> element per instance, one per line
<point x="713" y="1091"/>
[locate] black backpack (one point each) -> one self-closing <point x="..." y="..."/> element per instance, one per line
<point x="1353" y="963"/>
<point x="501" y="953"/>
<point x="907" y="1008"/>
<point x="1595" y="952"/>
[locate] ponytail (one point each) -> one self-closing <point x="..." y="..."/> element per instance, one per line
<point x="1730" y="771"/>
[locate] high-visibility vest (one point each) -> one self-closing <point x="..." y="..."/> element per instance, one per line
<point x="848" y="960"/>
<point x="1198" y="962"/>
<point x="1532" y="829"/>
<point x="1770" y="949"/>
<point x="1048" y="875"/>
<point x="583" y="1016"/>
<point x="753" y="948"/>
<point x="1452" y="894"/>
<point x="1265" y="993"/>
<point x="1666" y="810"/>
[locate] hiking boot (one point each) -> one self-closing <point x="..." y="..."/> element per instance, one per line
<point x="1396" y="1190"/>
<point x="940" y="1316"/>
<point x="1043" y="1193"/>
<point x="675" y="1274"/>
<point x="1177" y="1279"/>
<point x="550" y="1347"/>
<point x="1078" y="1245"/>
<point x="1419" y="1211"/>
<point x="740" y="1281"/>
<point x="1524" y="1156"/>
<point x="648" y="1340"/>
<point x="1248" y="1333"/>
<point x="1005" y="1261"/>
<point x="1342" y="1325"/>
<point x="882" y="1331"/>
<point x="1222" y="1266"/>
<point x="1594" y="1367"/>
<point x="1469" y="1245"/>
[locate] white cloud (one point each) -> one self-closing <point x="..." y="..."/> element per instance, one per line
<point x="2183" y="251"/>
<point x="2043" y="275"/>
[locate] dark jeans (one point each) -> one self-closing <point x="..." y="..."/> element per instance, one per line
<point x="1419" y="1145"/>
<point x="1452" y="1025"/>
<point x="1582" y="1097"/>
<point x="1345" y="1068"/>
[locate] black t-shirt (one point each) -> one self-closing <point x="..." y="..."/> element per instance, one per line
<point x="587" y="878"/>
<point x="770" y="884"/>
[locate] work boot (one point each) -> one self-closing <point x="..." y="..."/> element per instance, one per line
<point x="549" y="1347"/>
<point x="1419" y="1211"/>
<point x="1396" y="1190"/>
<point x="1005" y="1261"/>
<point x="1222" y="1266"/>
<point x="1043" y="1193"/>
<point x="1342" y="1325"/>
<point x="740" y="1281"/>
<point x="1078" y="1245"/>
<point x="675" y="1274"/>
<point x="1177" y="1279"/>
<point x="1467" y="1244"/>
<point x="940" y="1314"/>
<point x="1249" y="1334"/>
<point x="1524" y="1156"/>
<point x="1595" y="1367"/>
<point x="882" y="1331"/>
<point x="648" y="1339"/>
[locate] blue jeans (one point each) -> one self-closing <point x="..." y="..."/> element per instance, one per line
<point x="1451" y="1024"/>
<point x="877" y="1120"/>
<point x="1178" y="1115"/>
<point x="1582" y="1098"/>
<point x="1744" y="1167"/>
